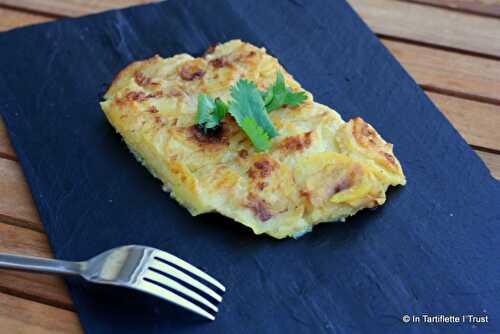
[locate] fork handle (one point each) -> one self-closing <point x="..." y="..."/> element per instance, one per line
<point x="40" y="265"/>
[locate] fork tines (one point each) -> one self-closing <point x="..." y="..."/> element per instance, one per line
<point x="176" y="280"/>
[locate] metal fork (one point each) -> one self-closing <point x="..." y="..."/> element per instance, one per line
<point x="137" y="267"/>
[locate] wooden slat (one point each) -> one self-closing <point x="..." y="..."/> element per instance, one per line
<point x="492" y="161"/>
<point x="482" y="7"/>
<point x="16" y="203"/>
<point x="477" y="122"/>
<point x="21" y="316"/>
<point x="15" y="239"/>
<point x="431" y="25"/>
<point x="394" y="18"/>
<point x="44" y="288"/>
<point x="71" y="7"/>
<point x="446" y="71"/>
<point x="6" y="150"/>
<point x="10" y="19"/>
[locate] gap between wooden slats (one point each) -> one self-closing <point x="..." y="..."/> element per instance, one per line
<point x="18" y="315"/>
<point x="47" y="289"/>
<point x="400" y="19"/>
<point x="431" y="25"/>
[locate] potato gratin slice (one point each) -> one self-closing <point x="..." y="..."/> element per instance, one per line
<point x="319" y="168"/>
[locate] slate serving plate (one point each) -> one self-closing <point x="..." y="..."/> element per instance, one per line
<point x="432" y="249"/>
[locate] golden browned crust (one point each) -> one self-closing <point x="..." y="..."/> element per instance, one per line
<point x="319" y="168"/>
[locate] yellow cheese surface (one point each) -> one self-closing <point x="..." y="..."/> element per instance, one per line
<point x="319" y="169"/>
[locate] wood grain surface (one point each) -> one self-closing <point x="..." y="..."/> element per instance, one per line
<point x="477" y="122"/>
<point x="6" y="150"/>
<point x="10" y="18"/>
<point x="482" y="7"/>
<point x="431" y="25"/>
<point x="449" y="72"/>
<point x="71" y="7"/>
<point x="44" y="288"/>
<point x="492" y="160"/>
<point x="450" y="51"/>
<point x="23" y="316"/>
<point x="16" y="203"/>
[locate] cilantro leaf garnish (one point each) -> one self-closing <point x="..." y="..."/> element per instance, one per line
<point x="210" y="111"/>
<point x="221" y="108"/>
<point x="279" y="95"/>
<point x="257" y="135"/>
<point x="247" y="102"/>
<point x="250" y="108"/>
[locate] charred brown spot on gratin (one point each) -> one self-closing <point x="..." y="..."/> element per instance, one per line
<point x="259" y="207"/>
<point x="262" y="168"/>
<point x="297" y="143"/>
<point x="191" y="71"/>
<point x="364" y="134"/>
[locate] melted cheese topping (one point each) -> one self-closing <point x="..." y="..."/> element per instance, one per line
<point x="320" y="168"/>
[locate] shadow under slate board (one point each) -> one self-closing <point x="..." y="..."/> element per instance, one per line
<point x="431" y="249"/>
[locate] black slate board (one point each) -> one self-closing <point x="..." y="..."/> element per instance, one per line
<point x="432" y="249"/>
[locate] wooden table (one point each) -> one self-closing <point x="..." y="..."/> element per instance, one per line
<point x="450" y="47"/>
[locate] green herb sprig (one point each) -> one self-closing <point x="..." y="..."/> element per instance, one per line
<point x="250" y="108"/>
<point x="279" y="95"/>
